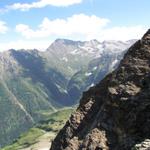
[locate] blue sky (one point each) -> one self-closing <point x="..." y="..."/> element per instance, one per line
<point x="36" y="23"/>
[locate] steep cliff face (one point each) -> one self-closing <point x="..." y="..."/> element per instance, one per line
<point x="115" y="114"/>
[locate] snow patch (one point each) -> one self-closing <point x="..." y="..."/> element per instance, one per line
<point x="61" y="89"/>
<point x="65" y="59"/>
<point x="75" y="52"/>
<point x="92" y="85"/>
<point x="94" y="68"/>
<point x="114" y="63"/>
<point x="88" y="74"/>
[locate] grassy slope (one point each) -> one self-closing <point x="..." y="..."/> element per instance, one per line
<point x="12" y="116"/>
<point x="26" y="88"/>
<point x="52" y="123"/>
<point x="13" y="120"/>
<point x="31" y="95"/>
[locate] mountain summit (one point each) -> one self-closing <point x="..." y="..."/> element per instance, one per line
<point x="114" y="114"/>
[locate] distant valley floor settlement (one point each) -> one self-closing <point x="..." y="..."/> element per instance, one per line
<point x="114" y="114"/>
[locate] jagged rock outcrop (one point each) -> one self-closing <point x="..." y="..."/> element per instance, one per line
<point x="115" y="114"/>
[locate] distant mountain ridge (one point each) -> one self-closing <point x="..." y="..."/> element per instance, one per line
<point x="32" y="81"/>
<point x="70" y="52"/>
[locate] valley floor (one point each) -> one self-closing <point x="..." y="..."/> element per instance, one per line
<point x="43" y="142"/>
<point x="40" y="136"/>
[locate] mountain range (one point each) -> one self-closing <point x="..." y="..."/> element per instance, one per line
<point x="32" y="81"/>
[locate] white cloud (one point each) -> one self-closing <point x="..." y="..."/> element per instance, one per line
<point x="78" y="26"/>
<point x="25" y="44"/>
<point x="81" y="27"/>
<point x="3" y="27"/>
<point x="122" y="33"/>
<point x="42" y="3"/>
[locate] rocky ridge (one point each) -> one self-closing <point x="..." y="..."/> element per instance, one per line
<point x="75" y="55"/>
<point x="114" y="114"/>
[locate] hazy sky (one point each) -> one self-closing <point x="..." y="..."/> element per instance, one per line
<point x="36" y="23"/>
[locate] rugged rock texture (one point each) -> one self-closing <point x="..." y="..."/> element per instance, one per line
<point x="115" y="114"/>
<point x="145" y="145"/>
